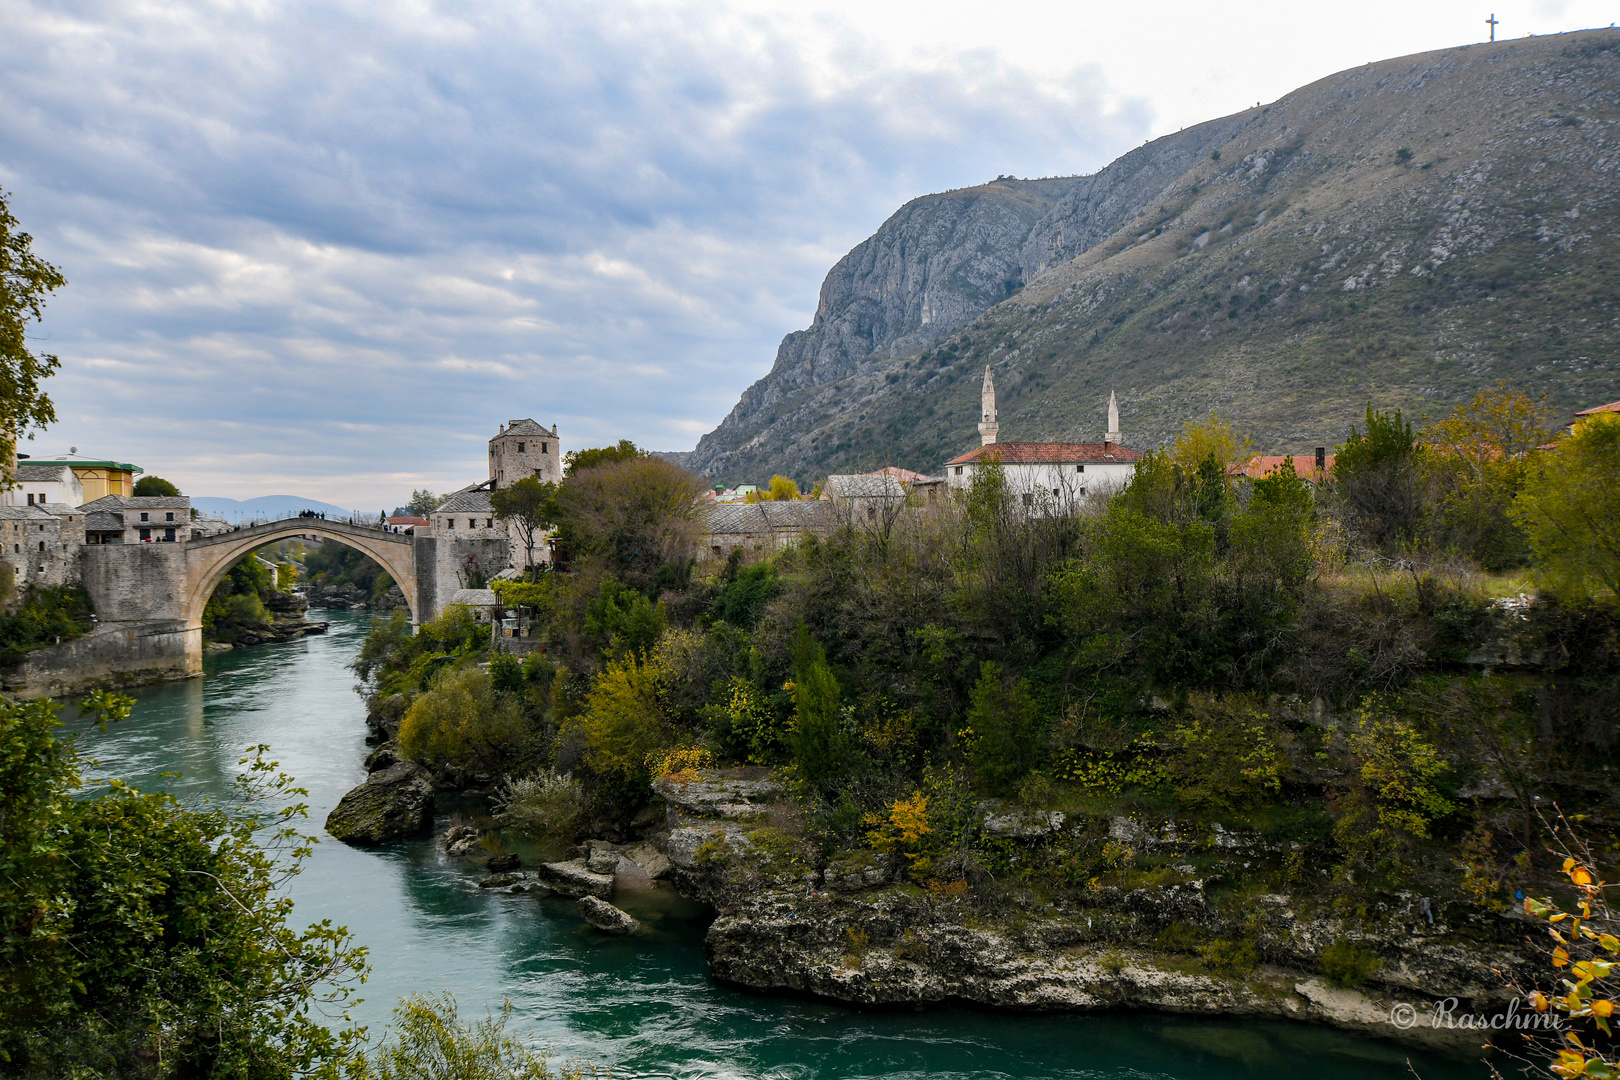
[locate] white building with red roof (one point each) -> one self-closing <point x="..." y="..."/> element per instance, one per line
<point x="1043" y="471"/>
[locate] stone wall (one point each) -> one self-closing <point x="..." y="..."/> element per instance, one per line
<point x="136" y="582"/>
<point x="441" y="564"/>
<point x="111" y="655"/>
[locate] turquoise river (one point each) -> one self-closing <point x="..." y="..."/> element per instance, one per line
<point x="644" y="1006"/>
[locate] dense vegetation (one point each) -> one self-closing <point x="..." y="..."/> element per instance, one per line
<point x="46" y="615"/>
<point x="333" y="564"/>
<point x="1327" y="667"/>
<point x="240" y="602"/>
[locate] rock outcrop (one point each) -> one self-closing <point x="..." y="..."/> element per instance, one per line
<point x="393" y="803"/>
<point x="852" y="928"/>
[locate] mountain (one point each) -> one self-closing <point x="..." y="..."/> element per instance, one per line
<point x="271" y="507"/>
<point x="1401" y="233"/>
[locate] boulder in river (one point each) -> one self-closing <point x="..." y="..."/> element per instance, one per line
<point x="394" y="802"/>
<point x="461" y="840"/>
<point x="574" y="879"/>
<point x="605" y="917"/>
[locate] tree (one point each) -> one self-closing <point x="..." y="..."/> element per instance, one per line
<point x="821" y="748"/>
<point x="1008" y="735"/>
<point x="580" y="460"/>
<point x="1212" y="435"/>
<point x="1570" y="508"/>
<point x="155" y="487"/>
<point x="1477" y="456"/>
<point x="531" y="506"/>
<point x="782" y="489"/>
<point x="423" y="502"/>
<point x="634" y="516"/>
<point x="139" y="937"/>
<point x="25" y="281"/>
<point x="1377" y="473"/>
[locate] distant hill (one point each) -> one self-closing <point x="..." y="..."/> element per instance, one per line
<point x="1403" y="232"/>
<point x="271" y="507"/>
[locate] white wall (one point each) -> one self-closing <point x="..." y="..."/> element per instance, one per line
<point x="1071" y="480"/>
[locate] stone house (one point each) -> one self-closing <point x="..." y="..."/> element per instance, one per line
<point x="39" y="544"/>
<point x="523" y="448"/>
<point x="865" y="499"/>
<point x="43" y="484"/>
<point x="137" y="519"/>
<point x="1046" y="474"/>
<point x="96" y="477"/>
<point x="761" y="528"/>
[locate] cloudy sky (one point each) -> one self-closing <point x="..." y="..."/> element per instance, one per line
<point x="324" y="248"/>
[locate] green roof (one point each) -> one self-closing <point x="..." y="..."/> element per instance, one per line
<point x="83" y="463"/>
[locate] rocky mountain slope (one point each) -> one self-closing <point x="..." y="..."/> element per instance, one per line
<point x="1403" y="232"/>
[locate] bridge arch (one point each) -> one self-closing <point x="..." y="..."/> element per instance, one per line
<point x="209" y="558"/>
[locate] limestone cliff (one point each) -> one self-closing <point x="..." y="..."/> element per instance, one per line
<point x="1403" y="232"/>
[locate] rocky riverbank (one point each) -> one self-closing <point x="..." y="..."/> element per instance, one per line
<point x="349" y="596"/>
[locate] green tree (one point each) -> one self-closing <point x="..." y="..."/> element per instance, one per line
<point x="624" y="724"/>
<point x="1008" y="733"/>
<point x="634" y="518"/>
<point x="822" y="749"/>
<point x="25" y="281"/>
<point x="1378" y="475"/>
<point x="138" y="937"/>
<point x="1570" y="509"/>
<point x="423" y="502"/>
<point x="580" y="460"/>
<point x="622" y="620"/>
<point x="529" y="505"/>
<point x="1213" y="435"/>
<point x="155" y="487"/>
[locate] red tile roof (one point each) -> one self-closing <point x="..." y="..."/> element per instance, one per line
<point x="1049" y="453"/>
<point x="1260" y="464"/>
<point x="905" y="476"/>
<point x="1613" y="406"/>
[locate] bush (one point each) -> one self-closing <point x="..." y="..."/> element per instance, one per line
<point x="1226" y="756"/>
<point x="428" y="1041"/>
<point x="623" y="726"/>
<point x="1234" y="958"/>
<point x="1008" y="737"/>
<point x="1347" y="963"/>
<point x="1570" y="508"/>
<point x="461" y="722"/>
<point x="823" y="751"/>
<point x="47" y="615"/>
<point x="621" y="620"/>
<point x="547" y="804"/>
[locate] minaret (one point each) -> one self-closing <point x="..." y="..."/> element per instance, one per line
<point x="1113" y="419"/>
<point x="988" y="425"/>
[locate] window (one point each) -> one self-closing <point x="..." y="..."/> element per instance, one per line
<point x="1054" y="493"/>
<point x="1079" y="468"/>
<point x="489" y="523"/>
<point x="1029" y="498"/>
<point x="42" y="498"/>
<point x="146" y="534"/>
<point x="30" y="499"/>
<point x="42" y="545"/>
<point x="520" y="448"/>
<point x="1082" y="489"/>
<point x="959" y="470"/>
<point x="144" y="516"/>
<point x="543" y="447"/>
<point x="168" y="535"/>
<point x="169" y="516"/>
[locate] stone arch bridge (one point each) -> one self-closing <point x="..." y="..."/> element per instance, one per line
<point x="149" y="598"/>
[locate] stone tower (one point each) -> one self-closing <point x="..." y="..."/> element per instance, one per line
<point x="1113" y="419"/>
<point x="987" y="424"/>
<point x="525" y="448"/>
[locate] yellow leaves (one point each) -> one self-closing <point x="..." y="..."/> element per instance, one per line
<point x="1603" y="1008"/>
<point x="1539" y="1002"/>
<point x="1560" y="957"/>
<point x="904" y="827"/>
<point x="1569" y="1064"/>
<point x="1609" y="943"/>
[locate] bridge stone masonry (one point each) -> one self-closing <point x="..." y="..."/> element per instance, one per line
<point x="149" y="598"/>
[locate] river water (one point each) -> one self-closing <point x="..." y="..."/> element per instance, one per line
<point x="642" y="1006"/>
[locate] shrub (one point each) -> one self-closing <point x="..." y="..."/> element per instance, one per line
<point x="1234" y="958"/>
<point x="1570" y="508"/>
<point x="745" y="598"/>
<point x="623" y="726"/>
<point x="428" y="1041"/>
<point x="1389" y="798"/>
<point x="1225" y="757"/>
<point x="47" y="615"/>
<point x="460" y="722"/>
<point x="547" y="804"/>
<point x="1008" y="735"/>
<point x="1347" y="963"/>
<point x="621" y="620"/>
